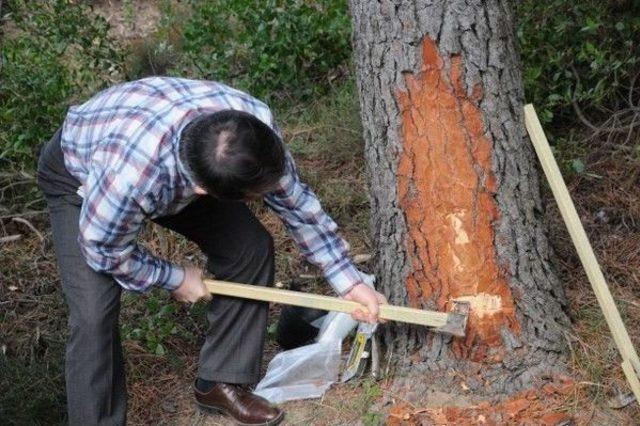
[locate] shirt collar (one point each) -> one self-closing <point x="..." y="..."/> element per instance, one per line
<point x="183" y="169"/>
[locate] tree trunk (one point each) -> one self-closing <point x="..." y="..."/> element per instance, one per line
<point x="454" y="190"/>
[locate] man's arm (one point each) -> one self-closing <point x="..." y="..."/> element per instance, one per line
<point x="313" y="230"/>
<point x="110" y="220"/>
<point x="316" y="235"/>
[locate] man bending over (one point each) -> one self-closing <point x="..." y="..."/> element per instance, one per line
<point x="185" y="154"/>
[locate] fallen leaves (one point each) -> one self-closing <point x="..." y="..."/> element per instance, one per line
<point x="544" y="406"/>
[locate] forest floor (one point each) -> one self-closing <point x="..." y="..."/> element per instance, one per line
<point x="32" y="323"/>
<point x="161" y="344"/>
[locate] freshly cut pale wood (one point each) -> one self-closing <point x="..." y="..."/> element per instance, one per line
<point x="297" y="298"/>
<point x="583" y="247"/>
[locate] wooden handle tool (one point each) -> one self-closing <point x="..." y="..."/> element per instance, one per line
<point x="453" y="323"/>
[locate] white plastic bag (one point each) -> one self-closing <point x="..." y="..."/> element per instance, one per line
<point x="304" y="372"/>
<point x="308" y="371"/>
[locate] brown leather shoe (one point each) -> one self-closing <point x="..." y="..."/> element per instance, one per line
<point x="246" y="408"/>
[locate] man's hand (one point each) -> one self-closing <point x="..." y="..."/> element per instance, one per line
<point x="367" y="296"/>
<point x="192" y="288"/>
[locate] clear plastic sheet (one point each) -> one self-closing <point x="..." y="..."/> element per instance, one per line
<point x="304" y="372"/>
<point x="308" y="371"/>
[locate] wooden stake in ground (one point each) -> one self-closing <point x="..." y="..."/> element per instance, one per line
<point x="630" y="363"/>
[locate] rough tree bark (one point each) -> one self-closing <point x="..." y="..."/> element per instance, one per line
<point x="454" y="190"/>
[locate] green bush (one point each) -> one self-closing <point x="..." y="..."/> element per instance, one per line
<point x="55" y="53"/>
<point x="587" y="49"/>
<point x="270" y="48"/>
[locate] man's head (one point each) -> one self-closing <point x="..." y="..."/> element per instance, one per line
<point x="232" y="155"/>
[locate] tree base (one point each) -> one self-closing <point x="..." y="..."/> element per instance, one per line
<point x="543" y="405"/>
<point x="431" y="359"/>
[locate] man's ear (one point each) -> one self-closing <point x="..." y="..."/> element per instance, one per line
<point x="200" y="190"/>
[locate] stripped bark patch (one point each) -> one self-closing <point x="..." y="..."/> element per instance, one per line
<point x="446" y="190"/>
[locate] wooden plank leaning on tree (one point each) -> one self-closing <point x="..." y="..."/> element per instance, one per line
<point x="450" y="323"/>
<point x="630" y="362"/>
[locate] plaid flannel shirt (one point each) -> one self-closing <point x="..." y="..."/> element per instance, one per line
<point x="122" y="145"/>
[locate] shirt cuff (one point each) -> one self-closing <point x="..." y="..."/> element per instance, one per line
<point x="343" y="276"/>
<point x="172" y="277"/>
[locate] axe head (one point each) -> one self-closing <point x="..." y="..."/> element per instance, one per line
<point x="456" y="320"/>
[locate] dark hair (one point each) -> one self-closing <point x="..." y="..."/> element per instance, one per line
<point x="232" y="154"/>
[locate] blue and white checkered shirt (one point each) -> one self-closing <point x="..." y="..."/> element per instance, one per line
<point x="122" y="145"/>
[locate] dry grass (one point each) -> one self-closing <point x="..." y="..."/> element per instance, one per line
<point x="32" y="312"/>
<point x="606" y="197"/>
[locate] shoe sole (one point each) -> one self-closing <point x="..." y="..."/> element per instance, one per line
<point x="217" y="410"/>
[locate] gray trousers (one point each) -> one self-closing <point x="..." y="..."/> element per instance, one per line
<point x="238" y="249"/>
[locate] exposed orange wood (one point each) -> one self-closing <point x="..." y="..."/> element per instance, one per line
<point x="446" y="189"/>
<point x="544" y="406"/>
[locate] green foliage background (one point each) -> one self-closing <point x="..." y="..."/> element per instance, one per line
<point x="587" y="50"/>
<point x="55" y="54"/>
<point x="269" y="47"/>
<point x="58" y="52"/>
